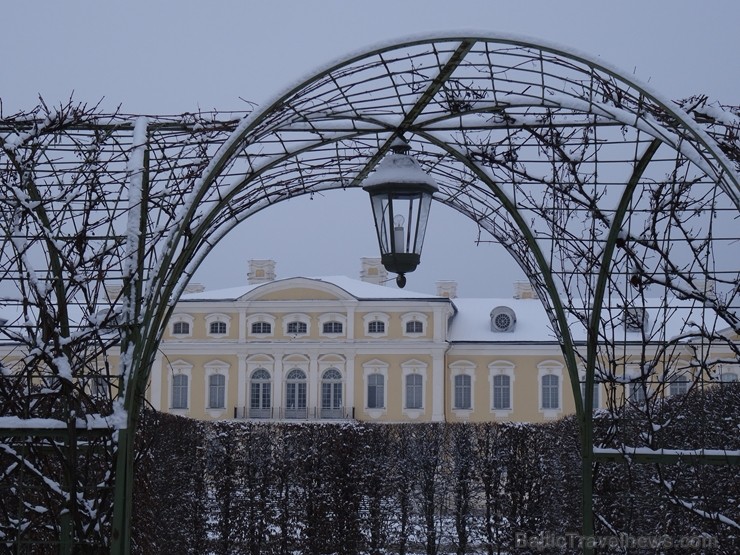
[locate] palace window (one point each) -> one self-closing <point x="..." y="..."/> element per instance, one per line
<point x="217" y="328"/>
<point x="331" y="394"/>
<point x="260" y="390"/>
<point x="261" y="328"/>
<point x="181" y="328"/>
<point x="180" y="391"/>
<point x="414" y="391"/>
<point x="375" y="391"/>
<point x="295" y="394"/>
<point x="376" y="327"/>
<point x="216" y="391"/>
<point x="414" y="326"/>
<point x="297" y="328"/>
<point x="463" y="392"/>
<point x="332" y="327"/>
<point x="550" y="392"/>
<point x="501" y="392"/>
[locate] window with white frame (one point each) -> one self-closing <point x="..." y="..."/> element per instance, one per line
<point x="463" y="392"/>
<point x="296" y="324"/>
<point x="414" y="375"/>
<point x="375" y="376"/>
<point x="414" y="324"/>
<point x="550" y="376"/>
<point x="332" y="325"/>
<point x="501" y="392"/>
<point x="550" y="392"/>
<point x="376" y="391"/>
<point x="180" y="373"/>
<point x="414" y="391"/>
<point x="679" y="384"/>
<point x="217" y="324"/>
<point x="637" y="391"/>
<point x="216" y="391"/>
<point x="501" y="378"/>
<point x="260" y="328"/>
<point x="462" y="382"/>
<point x="296" y="394"/>
<point x="331" y="393"/>
<point x="260" y="394"/>
<point x="376" y="324"/>
<point x="180" y="391"/>
<point x="260" y="325"/>
<point x="181" y="325"/>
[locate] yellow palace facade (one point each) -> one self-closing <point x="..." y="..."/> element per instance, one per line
<point x="337" y="348"/>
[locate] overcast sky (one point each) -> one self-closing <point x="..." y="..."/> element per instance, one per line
<point x="157" y="57"/>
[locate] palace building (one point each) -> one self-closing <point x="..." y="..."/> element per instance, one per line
<point x="332" y="348"/>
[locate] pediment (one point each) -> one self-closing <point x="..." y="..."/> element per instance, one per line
<point x="297" y="289"/>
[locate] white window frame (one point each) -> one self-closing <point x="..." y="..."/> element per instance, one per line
<point x="254" y="318"/>
<point x="414" y="367"/>
<point x="211" y="368"/>
<point x="418" y="317"/>
<point x="550" y="367"/>
<point x="376" y="317"/>
<point x="458" y="368"/>
<point x="375" y="367"/>
<point x="502" y="368"/>
<point x="679" y="376"/>
<point x="217" y="317"/>
<point x="333" y="317"/>
<point x="179" y="367"/>
<point x="181" y="317"/>
<point x="296" y="317"/>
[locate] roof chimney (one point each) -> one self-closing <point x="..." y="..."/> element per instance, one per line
<point x="373" y="271"/>
<point x="524" y="290"/>
<point x="260" y="271"/>
<point x="447" y="288"/>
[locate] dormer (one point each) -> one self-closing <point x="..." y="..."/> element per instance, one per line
<point x="503" y="319"/>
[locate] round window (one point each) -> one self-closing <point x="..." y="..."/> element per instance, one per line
<point x="502" y="321"/>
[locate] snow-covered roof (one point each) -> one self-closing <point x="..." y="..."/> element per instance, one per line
<point x="358" y="289"/>
<point x="472" y="322"/>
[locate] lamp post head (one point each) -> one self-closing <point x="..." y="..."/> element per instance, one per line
<point x="401" y="196"/>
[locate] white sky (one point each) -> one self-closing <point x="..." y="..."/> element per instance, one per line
<point x="168" y="57"/>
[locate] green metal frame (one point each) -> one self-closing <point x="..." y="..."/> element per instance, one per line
<point x="460" y="102"/>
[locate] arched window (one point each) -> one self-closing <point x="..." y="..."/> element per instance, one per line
<point x="414" y="326"/>
<point x="463" y="390"/>
<point x="179" y="391"/>
<point x="332" y="327"/>
<point x="261" y="328"/>
<point x="217" y="328"/>
<point x="376" y="326"/>
<point x="260" y="390"/>
<point x="331" y="394"/>
<point x="550" y="392"/>
<point x="501" y="392"/>
<point x="295" y="394"/>
<point x="414" y="391"/>
<point x="375" y="391"/>
<point x="216" y="391"/>
<point x="297" y="328"/>
<point x="180" y="328"/>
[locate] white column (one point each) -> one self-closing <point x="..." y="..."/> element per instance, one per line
<point x="242" y="383"/>
<point x="349" y="386"/>
<point x="242" y="325"/>
<point x="277" y="385"/>
<point x="312" y="394"/>
<point x="438" y="370"/>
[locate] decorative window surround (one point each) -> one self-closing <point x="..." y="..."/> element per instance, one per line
<point x="381" y="368"/>
<point x="181" y="318"/>
<point x="289" y="319"/>
<point x="329" y="318"/>
<point x="408" y="368"/>
<point x="257" y="318"/>
<point x="213" y="368"/>
<point x="380" y="319"/>
<point x="218" y="318"/>
<point x="459" y="368"/>
<point x="501" y="368"/>
<point x="180" y="368"/>
<point x="550" y="368"/>
<point x="414" y="317"/>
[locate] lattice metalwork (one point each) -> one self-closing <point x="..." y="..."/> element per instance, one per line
<point x="621" y="208"/>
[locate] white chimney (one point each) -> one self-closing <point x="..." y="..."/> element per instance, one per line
<point x="524" y="290"/>
<point x="447" y="288"/>
<point x="373" y="271"/>
<point x="260" y="271"/>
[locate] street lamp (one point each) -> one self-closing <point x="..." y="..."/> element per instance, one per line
<point x="401" y="195"/>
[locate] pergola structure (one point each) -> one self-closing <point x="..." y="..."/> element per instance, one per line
<point x="614" y="201"/>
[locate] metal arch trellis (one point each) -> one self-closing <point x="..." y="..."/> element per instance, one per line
<point x="618" y="205"/>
